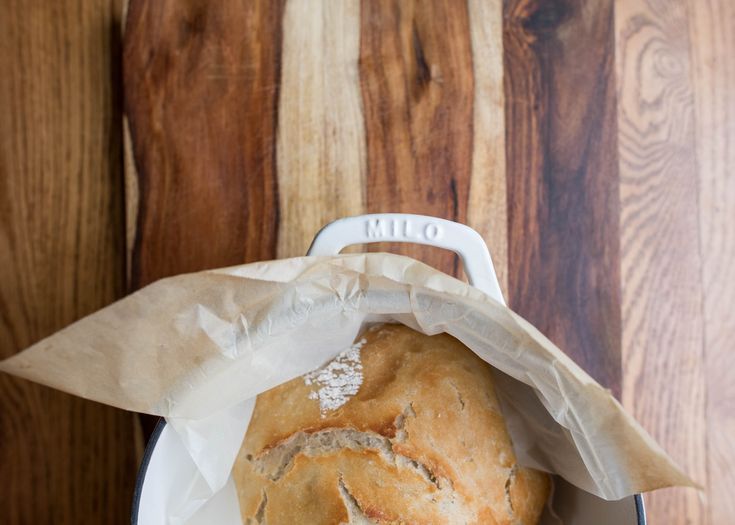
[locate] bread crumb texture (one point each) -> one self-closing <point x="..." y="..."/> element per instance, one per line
<point x="417" y="439"/>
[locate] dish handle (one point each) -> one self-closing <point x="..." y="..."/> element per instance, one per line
<point x="419" y="229"/>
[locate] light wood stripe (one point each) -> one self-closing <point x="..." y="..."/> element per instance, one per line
<point x="663" y="358"/>
<point x="321" y="135"/>
<point x="487" y="209"/>
<point x="132" y="200"/>
<point x="711" y="28"/>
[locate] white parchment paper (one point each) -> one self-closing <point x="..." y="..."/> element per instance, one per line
<point x="198" y="348"/>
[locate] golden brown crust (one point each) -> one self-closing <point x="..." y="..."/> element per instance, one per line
<point x="422" y="441"/>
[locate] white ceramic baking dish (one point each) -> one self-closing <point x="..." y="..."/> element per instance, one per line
<point x="166" y="459"/>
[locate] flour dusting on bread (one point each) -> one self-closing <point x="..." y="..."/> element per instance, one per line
<point x="338" y="381"/>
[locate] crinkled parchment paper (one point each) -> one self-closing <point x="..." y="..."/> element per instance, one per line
<point x="198" y="348"/>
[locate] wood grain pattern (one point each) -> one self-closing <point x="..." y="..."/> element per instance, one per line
<point x="63" y="459"/>
<point x="417" y="90"/>
<point x="201" y="88"/>
<point x="562" y="177"/>
<point x="321" y="134"/>
<point x="711" y="33"/>
<point x="663" y="355"/>
<point x="252" y="123"/>
<point x="487" y="207"/>
<point x="320" y="140"/>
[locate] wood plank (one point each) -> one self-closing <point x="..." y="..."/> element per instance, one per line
<point x="416" y="75"/>
<point x="321" y="133"/>
<point x="487" y="210"/>
<point x="64" y="459"/>
<point x="563" y="240"/>
<point x="711" y="26"/>
<point x="201" y="89"/>
<point x="661" y="288"/>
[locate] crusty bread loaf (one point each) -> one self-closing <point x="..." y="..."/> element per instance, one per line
<point x="405" y="429"/>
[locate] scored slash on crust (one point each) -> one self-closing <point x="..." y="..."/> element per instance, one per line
<point x="275" y="462"/>
<point x="355" y="513"/>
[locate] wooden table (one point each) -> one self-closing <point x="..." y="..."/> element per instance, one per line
<point x="589" y="142"/>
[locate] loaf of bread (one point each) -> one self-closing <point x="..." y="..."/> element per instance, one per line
<point x="400" y="428"/>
